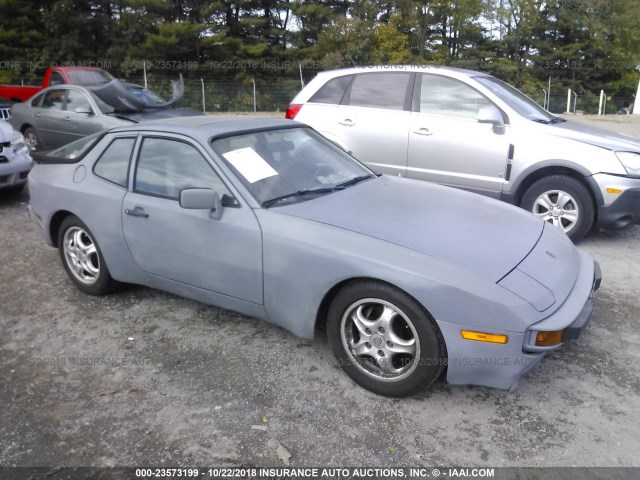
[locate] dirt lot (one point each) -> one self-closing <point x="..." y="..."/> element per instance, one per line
<point x="145" y="378"/>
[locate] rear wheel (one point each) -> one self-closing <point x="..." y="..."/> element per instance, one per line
<point x="384" y="340"/>
<point x="562" y="201"/>
<point x="82" y="258"/>
<point x="31" y="139"/>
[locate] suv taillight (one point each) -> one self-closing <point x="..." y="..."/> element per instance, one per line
<point x="292" y="111"/>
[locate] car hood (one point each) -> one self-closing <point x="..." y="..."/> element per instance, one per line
<point x="481" y="234"/>
<point x="598" y="137"/>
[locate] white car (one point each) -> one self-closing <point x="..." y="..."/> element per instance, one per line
<point x="470" y="130"/>
<point x="15" y="161"/>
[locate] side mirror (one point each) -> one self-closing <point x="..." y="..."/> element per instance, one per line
<point x="85" y="110"/>
<point x="490" y="114"/>
<point x="202" y="199"/>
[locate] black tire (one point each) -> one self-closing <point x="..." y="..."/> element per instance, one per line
<point x="13" y="191"/>
<point x="97" y="279"/>
<point x="32" y="139"/>
<point x="581" y="203"/>
<point x="410" y="321"/>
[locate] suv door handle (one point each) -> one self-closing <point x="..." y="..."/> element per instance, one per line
<point x="137" y="212"/>
<point x="347" y="122"/>
<point x="423" y="131"/>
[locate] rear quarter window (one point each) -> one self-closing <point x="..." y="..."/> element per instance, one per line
<point x="113" y="164"/>
<point x="332" y="91"/>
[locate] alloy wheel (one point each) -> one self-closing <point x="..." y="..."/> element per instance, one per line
<point x="380" y="339"/>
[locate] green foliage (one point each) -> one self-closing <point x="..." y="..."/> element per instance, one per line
<point x="586" y="45"/>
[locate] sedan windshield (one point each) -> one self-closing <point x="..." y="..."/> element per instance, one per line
<point x="289" y="165"/>
<point x="145" y="96"/>
<point x="516" y="100"/>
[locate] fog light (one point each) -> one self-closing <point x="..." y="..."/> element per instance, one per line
<point x="614" y="190"/>
<point x="483" y="337"/>
<point x="549" y="339"/>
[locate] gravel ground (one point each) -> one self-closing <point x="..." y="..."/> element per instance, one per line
<point x="141" y="377"/>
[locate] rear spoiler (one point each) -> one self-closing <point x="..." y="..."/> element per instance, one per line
<point x="45" y="157"/>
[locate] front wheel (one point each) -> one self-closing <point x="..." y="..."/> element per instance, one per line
<point x="384" y="340"/>
<point x="562" y="201"/>
<point x="82" y="258"/>
<point x="31" y="139"/>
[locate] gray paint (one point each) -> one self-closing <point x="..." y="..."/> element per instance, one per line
<point x="278" y="264"/>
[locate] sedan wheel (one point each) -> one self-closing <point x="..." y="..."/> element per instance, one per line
<point x="384" y="340"/>
<point x="562" y="201"/>
<point x="31" y="139"/>
<point x="82" y="258"/>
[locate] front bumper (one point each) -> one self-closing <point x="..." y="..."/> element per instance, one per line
<point x="573" y="307"/>
<point x="502" y="365"/>
<point x="618" y="210"/>
<point x="14" y="171"/>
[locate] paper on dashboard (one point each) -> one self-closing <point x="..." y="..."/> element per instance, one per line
<point x="250" y="165"/>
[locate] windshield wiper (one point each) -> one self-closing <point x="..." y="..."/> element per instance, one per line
<point x="355" y="180"/>
<point x="301" y="193"/>
<point x="557" y="120"/>
<point x="541" y="120"/>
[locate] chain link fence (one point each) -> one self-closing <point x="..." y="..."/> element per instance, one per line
<point x="584" y="104"/>
<point x="212" y="95"/>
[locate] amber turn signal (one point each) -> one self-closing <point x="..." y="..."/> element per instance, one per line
<point x="549" y="339"/>
<point x="483" y="337"/>
<point x="614" y="190"/>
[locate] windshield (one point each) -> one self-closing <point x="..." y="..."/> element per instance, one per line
<point x="516" y="99"/>
<point x="88" y="77"/>
<point x="289" y="165"/>
<point x="77" y="149"/>
<point x="145" y="96"/>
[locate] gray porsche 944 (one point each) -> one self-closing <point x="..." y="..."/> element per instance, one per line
<point x="268" y="218"/>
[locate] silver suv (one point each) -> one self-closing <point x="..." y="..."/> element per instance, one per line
<point x="471" y="130"/>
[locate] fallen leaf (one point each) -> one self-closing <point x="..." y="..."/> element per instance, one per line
<point x="283" y="454"/>
<point x="109" y="392"/>
<point x="265" y="419"/>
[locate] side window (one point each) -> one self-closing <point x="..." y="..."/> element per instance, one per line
<point x="36" y="101"/>
<point x="56" y="79"/>
<point x="113" y="164"/>
<point x="53" y="99"/>
<point x="445" y="96"/>
<point x="380" y="90"/>
<point x="166" y="167"/>
<point x="332" y="91"/>
<point x="78" y="101"/>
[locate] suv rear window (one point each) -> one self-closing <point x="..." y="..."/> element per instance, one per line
<point x="380" y="90"/>
<point x="332" y="91"/>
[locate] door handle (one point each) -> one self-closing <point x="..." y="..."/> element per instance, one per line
<point x="137" y="212"/>
<point x="38" y="115"/>
<point x="347" y="122"/>
<point x="67" y="119"/>
<point x="423" y="131"/>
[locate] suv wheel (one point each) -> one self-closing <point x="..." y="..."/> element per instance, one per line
<point x="562" y="201"/>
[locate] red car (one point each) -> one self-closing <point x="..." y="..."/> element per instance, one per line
<point x="56" y="76"/>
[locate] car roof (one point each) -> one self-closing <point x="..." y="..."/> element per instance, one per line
<point x="450" y="71"/>
<point x="206" y="126"/>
